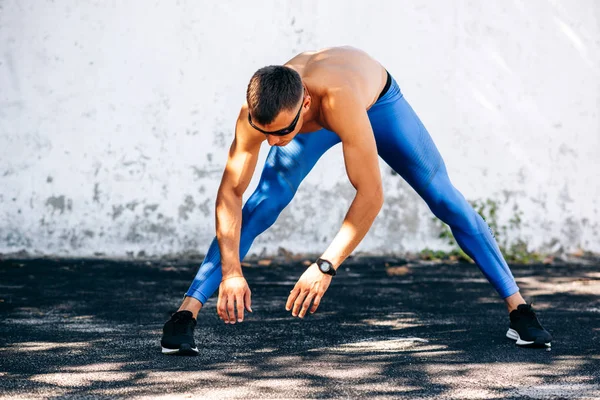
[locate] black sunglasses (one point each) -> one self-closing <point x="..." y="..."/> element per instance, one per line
<point x="280" y="132"/>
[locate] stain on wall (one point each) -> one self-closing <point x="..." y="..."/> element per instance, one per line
<point x="59" y="204"/>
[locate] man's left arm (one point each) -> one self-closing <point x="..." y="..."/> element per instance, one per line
<point x="348" y="118"/>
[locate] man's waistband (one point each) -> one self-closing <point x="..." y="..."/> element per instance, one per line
<point x="388" y="83"/>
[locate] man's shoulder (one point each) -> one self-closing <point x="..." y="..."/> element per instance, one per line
<point x="339" y="107"/>
<point x="243" y="131"/>
<point x="337" y="96"/>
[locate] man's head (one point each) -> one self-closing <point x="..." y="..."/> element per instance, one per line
<point x="275" y="99"/>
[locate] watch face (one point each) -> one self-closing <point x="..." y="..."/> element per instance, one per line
<point x="325" y="266"/>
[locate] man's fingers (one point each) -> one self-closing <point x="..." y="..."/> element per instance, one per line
<point x="248" y="300"/>
<point x="291" y="298"/>
<point x="220" y="306"/>
<point x="223" y="310"/>
<point x="239" y="302"/>
<point x="298" y="302"/>
<point x="231" y="309"/>
<point x="316" y="303"/>
<point x="306" y="304"/>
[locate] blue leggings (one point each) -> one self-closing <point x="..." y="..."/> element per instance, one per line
<point x="405" y="145"/>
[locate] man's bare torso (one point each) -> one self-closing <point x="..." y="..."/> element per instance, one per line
<point x="328" y="70"/>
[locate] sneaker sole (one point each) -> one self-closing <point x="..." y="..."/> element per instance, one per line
<point x="184" y="350"/>
<point x="514" y="335"/>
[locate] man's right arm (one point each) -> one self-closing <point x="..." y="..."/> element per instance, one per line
<point x="241" y="163"/>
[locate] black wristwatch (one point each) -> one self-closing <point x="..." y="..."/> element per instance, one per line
<point x="325" y="267"/>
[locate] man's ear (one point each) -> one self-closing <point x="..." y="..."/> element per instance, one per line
<point x="307" y="101"/>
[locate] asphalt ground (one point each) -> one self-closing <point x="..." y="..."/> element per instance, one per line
<point x="387" y="328"/>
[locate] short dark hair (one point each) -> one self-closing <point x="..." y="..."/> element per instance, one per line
<point x="271" y="90"/>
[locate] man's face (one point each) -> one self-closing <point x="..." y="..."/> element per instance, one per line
<point x="284" y="121"/>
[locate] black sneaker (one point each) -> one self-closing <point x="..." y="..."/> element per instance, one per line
<point x="178" y="335"/>
<point x="526" y="329"/>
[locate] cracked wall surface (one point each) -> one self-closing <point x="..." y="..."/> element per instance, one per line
<point x="115" y="123"/>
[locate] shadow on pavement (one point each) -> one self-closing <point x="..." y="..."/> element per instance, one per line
<point x="76" y="328"/>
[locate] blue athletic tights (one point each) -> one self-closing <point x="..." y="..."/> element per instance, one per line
<point x="405" y="145"/>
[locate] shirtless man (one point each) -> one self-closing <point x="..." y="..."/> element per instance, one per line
<point x="302" y="109"/>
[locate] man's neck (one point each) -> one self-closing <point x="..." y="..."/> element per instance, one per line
<point x="314" y="112"/>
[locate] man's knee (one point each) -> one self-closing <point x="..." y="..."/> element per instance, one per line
<point x="452" y="208"/>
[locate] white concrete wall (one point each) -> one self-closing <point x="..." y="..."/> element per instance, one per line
<point x="115" y="117"/>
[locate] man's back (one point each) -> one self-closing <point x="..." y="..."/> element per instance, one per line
<point x="331" y="69"/>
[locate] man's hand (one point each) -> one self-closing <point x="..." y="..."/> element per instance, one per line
<point x="310" y="287"/>
<point x="234" y="294"/>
